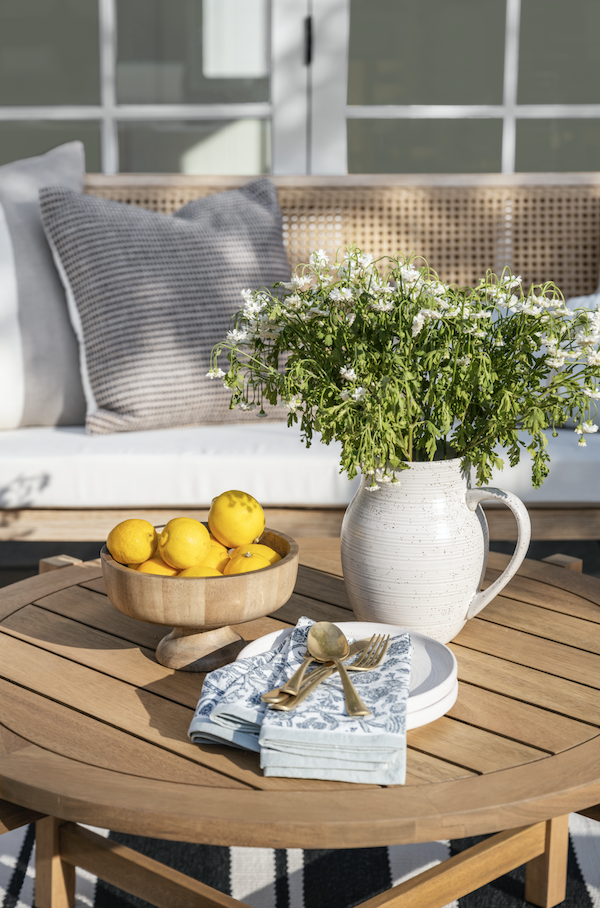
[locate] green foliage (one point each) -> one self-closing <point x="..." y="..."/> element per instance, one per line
<point x="399" y="367"/>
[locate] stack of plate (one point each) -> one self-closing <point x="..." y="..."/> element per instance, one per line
<point x="433" y="678"/>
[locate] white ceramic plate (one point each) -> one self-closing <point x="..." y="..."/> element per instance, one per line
<point x="416" y="718"/>
<point x="433" y="676"/>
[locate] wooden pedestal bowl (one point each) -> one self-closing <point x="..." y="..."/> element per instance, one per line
<point x="201" y="610"/>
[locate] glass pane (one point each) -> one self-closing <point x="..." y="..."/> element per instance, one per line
<point x="559" y="59"/>
<point x="430" y="52"/>
<point x="424" y="146"/>
<point x="49" y="52"/>
<point x="192" y="51"/>
<point x="557" y="145"/>
<point x="24" y="140"/>
<point x="210" y="146"/>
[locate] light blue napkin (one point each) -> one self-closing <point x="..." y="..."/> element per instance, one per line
<point x="318" y="740"/>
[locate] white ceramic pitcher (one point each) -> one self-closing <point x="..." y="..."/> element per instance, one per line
<point x="414" y="552"/>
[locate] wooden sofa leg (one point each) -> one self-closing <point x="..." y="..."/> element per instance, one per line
<point x="55" y="562"/>
<point x="54" y="878"/>
<point x="566" y="561"/>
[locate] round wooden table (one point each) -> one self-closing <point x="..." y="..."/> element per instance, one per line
<point x="95" y="731"/>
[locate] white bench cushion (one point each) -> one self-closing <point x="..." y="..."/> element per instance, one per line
<point x="63" y="467"/>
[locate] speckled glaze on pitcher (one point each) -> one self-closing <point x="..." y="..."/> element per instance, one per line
<point x="414" y="552"/>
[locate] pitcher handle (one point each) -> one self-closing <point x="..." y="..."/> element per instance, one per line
<point x="473" y="498"/>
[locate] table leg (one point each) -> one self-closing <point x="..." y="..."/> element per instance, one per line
<point x="54" y="879"/>
<point x="546" y="875"/>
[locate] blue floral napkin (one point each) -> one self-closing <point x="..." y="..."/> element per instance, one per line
<point x="318" y="740"/>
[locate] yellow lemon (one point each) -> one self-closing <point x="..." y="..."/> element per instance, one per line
<point x="236" y="518"/>
<point x="258" y="549"/>
<point x="201" y="570"/>
<point x="244" y="563"/>
<point x="184" y="542"/>
<point x="218" y="556"/>
<point x="156" y="565"/>
<point x="132" y="541"/>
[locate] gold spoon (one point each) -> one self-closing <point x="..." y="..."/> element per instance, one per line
<point x="279" y="695"/>
<point x="327" y="643"/>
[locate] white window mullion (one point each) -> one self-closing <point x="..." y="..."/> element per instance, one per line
<point x="511" y="77"/>
<point x="108" y="67"/>
<point x="289" y="87"/>
<point x="329" y="87"/>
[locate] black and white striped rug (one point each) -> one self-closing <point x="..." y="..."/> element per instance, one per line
<point x="267" y="878"/>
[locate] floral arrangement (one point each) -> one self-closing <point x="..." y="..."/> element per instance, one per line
<point x="398" y="366"/>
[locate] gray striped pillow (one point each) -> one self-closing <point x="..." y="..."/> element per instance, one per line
<point x="150" y="294"/>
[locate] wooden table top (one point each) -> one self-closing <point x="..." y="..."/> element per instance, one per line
<point x="95" y="730"/>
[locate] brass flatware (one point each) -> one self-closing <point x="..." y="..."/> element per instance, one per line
<point x="279" y="694"/>
<point x="369" y="659"/>
<point x="295" y="682"/>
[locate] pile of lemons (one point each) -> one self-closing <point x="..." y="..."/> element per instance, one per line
<point x="185" y="548"/>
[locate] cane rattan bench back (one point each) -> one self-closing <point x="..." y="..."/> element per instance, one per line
<point x="544" y="226"/>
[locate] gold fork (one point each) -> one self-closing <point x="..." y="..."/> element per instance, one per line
<point x="371" y="658"/>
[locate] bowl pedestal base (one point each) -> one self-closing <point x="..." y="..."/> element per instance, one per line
<point x="192" y="649"/>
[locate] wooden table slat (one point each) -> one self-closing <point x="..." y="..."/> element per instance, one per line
<point x="535" y="592"/>
<point x="423" y="767"/>
<point x="582" y="585"/>
<point x="517" y="720"/>
<point x="543" y="622"/>
<point x="474" y="748"/>
<point x="95" y="610"/>
<point x="531" y="651"/>
<point x="567" y="698"/>
<point x="323" y="587"/>
<point x="72" y="734"/>
<point x="23" y="592"/>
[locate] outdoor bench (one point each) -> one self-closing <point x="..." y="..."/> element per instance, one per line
<point x="60" y="484"/>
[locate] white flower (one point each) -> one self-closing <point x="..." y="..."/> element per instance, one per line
<point x="595" y="395"/>
<point x="350" y="318"/>
<point x="410" y="276"/>
<point x="381" y="305"/>
<point x="593" y="359"/>
<point x="293" y="302"/>
<point x="293" y="403"/>
<point x="463" y="360"/>
<point x="582" y="442"/>
<point x="237" y="336"/>
<point x="345" y="395"/>
<point x="365" y="259"/>
<point x="499" y="342"/>
<point x="556" y="361"/>
<point x="297" y="282"/>
<point x="248" y="295"/>
<point x="418" y="322"/>
<point x="586" y="428"/>
<point x="341" y="295"/>
<point x="348" y="374"/>
<point x="246" y="406"/>
<point x="215" y="373"/>
<point x="268" y="331"/>
<point x="319" y="259"/>
<point x="586" y="340"/>
<point x="359" y="393"/>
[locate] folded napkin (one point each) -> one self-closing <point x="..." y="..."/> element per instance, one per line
<point x="318" y="740"/>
